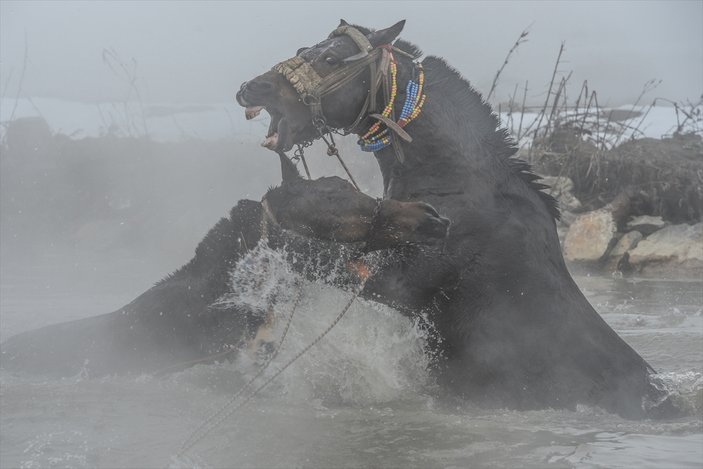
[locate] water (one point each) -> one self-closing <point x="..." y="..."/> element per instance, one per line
<point x="361" y="398"/>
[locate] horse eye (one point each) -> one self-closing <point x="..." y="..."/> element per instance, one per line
<point x="331" y="60"/>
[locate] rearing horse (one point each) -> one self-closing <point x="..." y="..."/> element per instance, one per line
<point x="514" y="327"/>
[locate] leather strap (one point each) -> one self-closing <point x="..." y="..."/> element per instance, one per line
<point x="393" y="125"/>
<point x="357" y="36"/>
<point x="312" y="88"/>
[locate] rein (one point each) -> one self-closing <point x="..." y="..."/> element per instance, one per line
<point x="220" y="415"/>
<point x="216" y="418"/>
<point x="381" y="63"/>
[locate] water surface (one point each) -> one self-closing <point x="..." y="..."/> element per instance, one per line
<point x="361" y="398"/>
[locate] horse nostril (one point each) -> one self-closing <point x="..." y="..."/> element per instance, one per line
<point x="244" y="85"/>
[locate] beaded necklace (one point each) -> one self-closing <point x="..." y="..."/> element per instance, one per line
<point x="376" y="137"/>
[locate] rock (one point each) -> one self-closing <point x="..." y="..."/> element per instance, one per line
<point x="590" y="236"/>
<point x="646" y="224"/>
<point x="561" y="188"/>
<point x="628" y="241"/>
<point x="618" y="257"/>
<point x="676" y="249"/>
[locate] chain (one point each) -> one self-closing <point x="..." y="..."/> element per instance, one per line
<point x="299" y="154"/>
<point x="324" y="131"/>
<point x="216" y="419"/>
<point x="219" y="416"/>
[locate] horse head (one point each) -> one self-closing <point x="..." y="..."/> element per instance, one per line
<point x="333" y="85"/>
<point x="325" y="85"/>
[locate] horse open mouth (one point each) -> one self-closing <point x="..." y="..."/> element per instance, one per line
<point x="279" y="136"/>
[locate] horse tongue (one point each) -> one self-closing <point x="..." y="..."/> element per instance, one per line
<point x="252" y="111"/>
<point x="271" y="141"/>
<point x="278" y="136"/>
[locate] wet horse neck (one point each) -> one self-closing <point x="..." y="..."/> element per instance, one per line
<point x="456" y="142"/>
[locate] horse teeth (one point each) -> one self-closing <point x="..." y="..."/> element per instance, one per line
<point x="252" y="111"/>
<point x="270" y="142"/>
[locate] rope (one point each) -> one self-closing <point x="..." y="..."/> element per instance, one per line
<point x="194" y="437"/>
<point x="223" y="413"/>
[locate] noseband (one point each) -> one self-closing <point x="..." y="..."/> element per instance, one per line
<point x="382" y="66"/>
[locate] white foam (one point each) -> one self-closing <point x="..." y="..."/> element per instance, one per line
<point x="374" y="354"/>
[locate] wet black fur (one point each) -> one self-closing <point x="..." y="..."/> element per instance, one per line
<point x="170" y="323"/>
<point x="514" y="329"/>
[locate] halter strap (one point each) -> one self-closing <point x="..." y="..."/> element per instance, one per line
<point x="312" y="87"/>
<point x="357" y="36"/>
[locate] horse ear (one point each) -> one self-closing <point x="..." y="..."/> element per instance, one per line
<point x="342" y="23"/>
<point x="386" y="36"/>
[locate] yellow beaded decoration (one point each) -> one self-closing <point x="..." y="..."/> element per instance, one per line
<point x="376" y="138"/>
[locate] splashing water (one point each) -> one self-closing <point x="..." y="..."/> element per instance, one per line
<point x="373" y="355"/>
<point x="361" y="398"/>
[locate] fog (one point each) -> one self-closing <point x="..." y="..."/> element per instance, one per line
<point x="132" y="147"/>
<point x="201" y="51"/>
<point x="150" y="205"/>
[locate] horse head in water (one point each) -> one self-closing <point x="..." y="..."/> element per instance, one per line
<point x="330" y="208"/>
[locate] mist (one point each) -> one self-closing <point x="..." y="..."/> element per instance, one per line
<point x="122" y="147"/>
<point x="201" y="51"/>
<point x="145" y="148"/>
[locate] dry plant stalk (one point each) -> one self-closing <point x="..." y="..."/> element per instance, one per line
<point x="549" y="90"/>
<point x="522" y="38"/>
<point x="129" y="74"/>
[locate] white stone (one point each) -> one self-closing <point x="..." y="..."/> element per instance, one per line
<point x="673" y="245"/>
<point x="590" y="236"/>
<point x="628" y="241"/>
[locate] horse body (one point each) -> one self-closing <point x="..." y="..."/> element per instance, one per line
<point x="513" y="327"/>
<point x="517" y="329"/>
<point x="171" y="323"/>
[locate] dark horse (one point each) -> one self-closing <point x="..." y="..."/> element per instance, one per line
<point x="513" y="327"/>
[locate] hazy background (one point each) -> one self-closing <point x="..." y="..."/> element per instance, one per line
<point x="88" y="223"/>
<point x="201" y="51"/>
<point x="109" y="197"/>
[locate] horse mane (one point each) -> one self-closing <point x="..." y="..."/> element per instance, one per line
<point x="485" y="128"/>
<point x="496" y="138"/>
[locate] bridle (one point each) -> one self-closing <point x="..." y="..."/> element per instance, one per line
<point x="380" y="62"/>
<point x="312" y="88"/>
